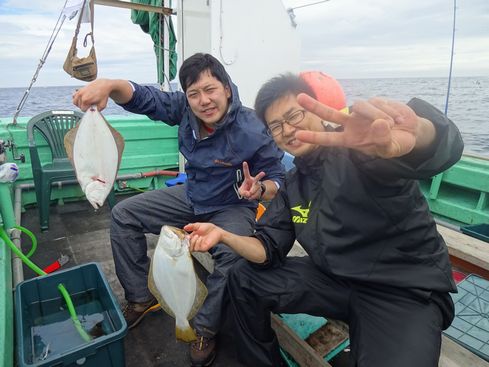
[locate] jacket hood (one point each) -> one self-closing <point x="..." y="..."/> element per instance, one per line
<point x="234" y="106"/>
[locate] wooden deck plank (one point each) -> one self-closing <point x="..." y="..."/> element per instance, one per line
<point x="302" y="352"/>
<point x="454" y="355"/>
<point x="467" y="248"/>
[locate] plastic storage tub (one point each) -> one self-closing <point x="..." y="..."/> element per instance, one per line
<point x="45" y="334"/>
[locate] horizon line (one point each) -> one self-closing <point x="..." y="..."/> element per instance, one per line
<point x="357" y="78"/>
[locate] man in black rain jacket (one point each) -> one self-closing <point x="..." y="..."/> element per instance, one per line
<point x="376" y="260"/>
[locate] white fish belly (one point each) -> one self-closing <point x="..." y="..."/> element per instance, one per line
<point x="95" y="157"/>
<point x="176" y="281"/>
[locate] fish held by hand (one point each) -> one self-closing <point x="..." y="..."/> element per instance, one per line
<point x="173" y="281"/>
<point x="95" y="151"/>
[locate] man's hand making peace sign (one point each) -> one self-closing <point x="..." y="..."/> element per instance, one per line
<point x="251" y="188"/>
<point x="377" y="127"/>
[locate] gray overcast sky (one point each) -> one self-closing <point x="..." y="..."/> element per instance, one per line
<point x="345" y="38"/>
<point x="392" y="38"/>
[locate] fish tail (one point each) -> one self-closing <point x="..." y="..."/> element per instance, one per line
<point x="185" y="333"/>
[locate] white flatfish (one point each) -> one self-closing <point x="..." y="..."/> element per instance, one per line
<point x="173" y="281"/>
<point x="95" y="150"/>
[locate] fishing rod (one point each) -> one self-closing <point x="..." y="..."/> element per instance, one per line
<point x="59" y="24"/>
<point x="451" y="55"/>
<point x="291" y="13"/>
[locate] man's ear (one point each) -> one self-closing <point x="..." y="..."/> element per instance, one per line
<point x="227" y="89"/>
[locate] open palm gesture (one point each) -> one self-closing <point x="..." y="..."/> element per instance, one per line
<point x="204" y="236"/>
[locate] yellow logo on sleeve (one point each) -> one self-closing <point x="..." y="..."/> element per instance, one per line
<point x="304" y="214"/>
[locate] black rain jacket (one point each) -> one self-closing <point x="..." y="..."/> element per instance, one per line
<point x="364" y="218"/>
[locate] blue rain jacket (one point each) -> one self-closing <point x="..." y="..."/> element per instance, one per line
<point x="214" y="164"/>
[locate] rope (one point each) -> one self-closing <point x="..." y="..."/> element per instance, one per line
<point x="42" y="61"/>
<point x="167" y="74"/>
<point x="221" y="38"/>
<point x="306" y="5"/>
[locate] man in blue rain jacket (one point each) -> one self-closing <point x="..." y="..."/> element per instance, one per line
<point x="231" y="164"/>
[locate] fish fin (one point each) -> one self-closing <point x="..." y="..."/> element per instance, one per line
<point x="185" y="334"/>
<point x="200" y="297"/>
<point x="154" y="290"/>
<point x="119" y="141"/>
<point x="69" y="141"/>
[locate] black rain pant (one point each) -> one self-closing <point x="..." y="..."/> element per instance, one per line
<point x="389" y="327"/>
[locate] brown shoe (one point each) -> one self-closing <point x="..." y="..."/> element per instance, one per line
<point x="134" y="312"/>
<point x="202" y="351"/>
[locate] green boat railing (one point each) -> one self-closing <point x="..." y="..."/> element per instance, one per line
<point x="6" y="300"/>
<point x="149" y="146"/>
<point x="461" y="193"/>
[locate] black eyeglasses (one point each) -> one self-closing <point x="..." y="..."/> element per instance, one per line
<point x="276" y="127"/>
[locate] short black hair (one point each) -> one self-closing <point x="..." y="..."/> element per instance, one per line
<point x="279" y="87"/>
<point x="193" y="66"/>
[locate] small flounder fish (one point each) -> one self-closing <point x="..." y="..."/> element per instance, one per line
<point x="172" y="280"/>
<point x="95" y="150"/>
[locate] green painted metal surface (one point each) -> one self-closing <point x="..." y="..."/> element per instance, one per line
<point x="6" y="206"/>
<point x="460" y="194"/>
<point x="149" y="146"/>
<point x="303" y="324"/>
<point x="6" y="310"/>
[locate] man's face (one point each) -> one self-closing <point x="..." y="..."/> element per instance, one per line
<point x="287" y="108"/>
<point x="208" y="98"/>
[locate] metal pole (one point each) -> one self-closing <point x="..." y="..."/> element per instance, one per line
<point x="135" y="6"/>
<point x="17" y="270"/>
<point x="181" y="56"/>
<point x="166" y="49"/>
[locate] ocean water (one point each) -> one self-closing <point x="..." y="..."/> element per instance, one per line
<point x="468" y="104"/>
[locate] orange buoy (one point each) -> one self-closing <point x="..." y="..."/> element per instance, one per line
<point x="327" y="89"/>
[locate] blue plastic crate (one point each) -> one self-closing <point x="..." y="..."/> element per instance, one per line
<point x="470" y="326"/>
<point x="45" y="334"/>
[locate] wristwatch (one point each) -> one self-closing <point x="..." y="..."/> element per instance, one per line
<point x="263" y="188"/>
